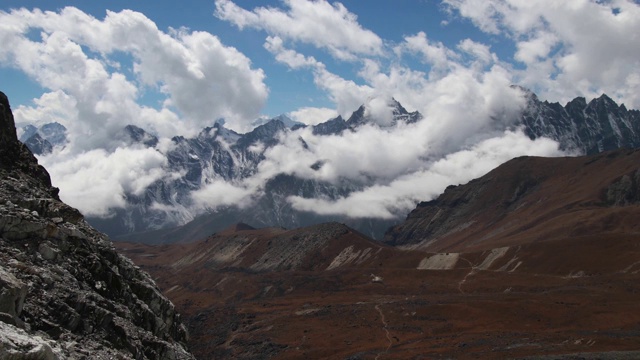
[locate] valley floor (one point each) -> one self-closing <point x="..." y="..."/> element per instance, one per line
<point x="406" y="313"/>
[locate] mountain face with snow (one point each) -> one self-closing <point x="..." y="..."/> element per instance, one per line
<point x="220" y="154"/>
<point x="41" y="140"/>
<point x="586" y="128"/>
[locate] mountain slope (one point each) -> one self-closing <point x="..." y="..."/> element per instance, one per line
<point x="529" y="200"/>
<point x="64" y="290"/>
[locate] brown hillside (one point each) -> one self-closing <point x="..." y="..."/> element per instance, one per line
<point x="529" y="200"/>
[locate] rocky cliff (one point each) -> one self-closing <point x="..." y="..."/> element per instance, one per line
<point x="65" y="293"/>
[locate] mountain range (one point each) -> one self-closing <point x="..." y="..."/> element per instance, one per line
<point x="218" y="153"/>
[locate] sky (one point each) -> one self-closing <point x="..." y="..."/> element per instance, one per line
<point x="98" y="66"/>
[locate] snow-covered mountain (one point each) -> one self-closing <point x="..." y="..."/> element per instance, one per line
<point x="220" y="154"/>
<point x="41" y="140"/>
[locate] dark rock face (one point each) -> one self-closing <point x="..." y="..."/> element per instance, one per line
<point x="14" y="155"/>
<point x="601" y="125"/>
<point x="134" y="134"/>
<point x="64" y="291"/>
<point x="8" y="138"/>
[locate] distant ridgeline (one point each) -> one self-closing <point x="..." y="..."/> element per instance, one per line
<point x="222" y="154"/>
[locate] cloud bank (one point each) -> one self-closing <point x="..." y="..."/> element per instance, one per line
<point x="96" y="73"/>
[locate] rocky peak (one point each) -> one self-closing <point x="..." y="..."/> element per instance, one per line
<point x="264" y="133"/>
<point x="38" y="145"/>
<point x="42" y="140"/>
<point x="9" y="144"/>
<point x="330" y="127"/>
<point x="14" y="155"/>
<point x="65" y="293"/>
<point x="136" y="134"/>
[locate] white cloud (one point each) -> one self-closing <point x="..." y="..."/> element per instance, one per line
<point x="294" y="60"/>
<point x="220" y="194"/>
<point x="98" y="181"/>
<point x="324" y="25"/>
<point x="570" y="48"/>
<point x="480" y="52"/>
<point x="433" y="53"/>
<point x="94" y="72"/>
<point x="312" y="115"/>
<point x="50" y="107"/>
<point x="198" y="76"/>
<point x="402" y="194"/>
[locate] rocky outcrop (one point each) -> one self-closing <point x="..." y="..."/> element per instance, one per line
<point x="624" y="191"/>
<point x="65" y="293"/>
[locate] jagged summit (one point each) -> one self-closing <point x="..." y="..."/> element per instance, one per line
<point x="136" y="135"/>
<point x="65" y="293"/>
<point x="42" y="140"/>
<point x="581" y="127"/>
<point x="397" y="113"/>
<point x="286" y="120"/>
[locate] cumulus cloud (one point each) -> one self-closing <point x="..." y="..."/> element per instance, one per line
<point x="324" y="25"/>
<point x="198" y="76"/>
<point x="436" y="54"/>
<point x="95" y="71"/>
<point x="97" y="181"/>
<point x="221" y="193"/>
<point x="312" y="115"/>
<point x="346" y="94"/>
<point x="569" y="48"/>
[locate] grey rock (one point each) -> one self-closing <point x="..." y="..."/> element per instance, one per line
<point x="12" y="293"/>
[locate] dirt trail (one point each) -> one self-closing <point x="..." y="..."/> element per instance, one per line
<point x="386" y="331"/>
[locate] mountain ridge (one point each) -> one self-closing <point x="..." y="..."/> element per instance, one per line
<point x="221" y="154"/>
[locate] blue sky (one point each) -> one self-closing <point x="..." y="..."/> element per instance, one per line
<point x="288" y="90"/>
<point x="96" y="68"/>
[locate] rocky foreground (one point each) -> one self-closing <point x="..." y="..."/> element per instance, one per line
<point x="65" y="293"/>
